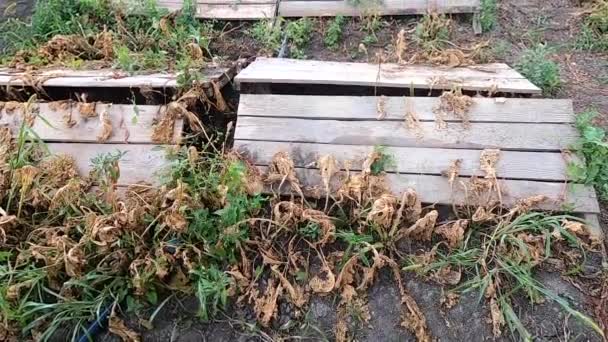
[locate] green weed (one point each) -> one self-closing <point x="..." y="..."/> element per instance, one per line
<point x="333" y="34"/>
<point x="507" y="254"/>
<point x="594" y="31"/>
<point x="211" y="288"/>
<point x="267" y="33"/>
<point x="536" y="65"/>
<point x="488" y="15"/>
<point x="383" y="162"/>
<point x="299" y="32"/>
<point x="592" y="147"/>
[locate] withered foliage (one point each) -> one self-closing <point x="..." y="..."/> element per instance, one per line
<point x="229" y="245"/>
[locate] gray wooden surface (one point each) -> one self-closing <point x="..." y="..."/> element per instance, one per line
<point x="365" y="108"/>
<point x="509" y="136"/>
<point x="496" y="77"/>
<point x="415" y="160"/>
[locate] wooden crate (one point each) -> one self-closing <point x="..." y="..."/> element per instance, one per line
<point x="531" y="134"/>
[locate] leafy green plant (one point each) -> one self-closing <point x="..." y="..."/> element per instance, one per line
<point x="592" y="147"/>
<point x="267" y="33"/>
<point x="383" y="162"/>
<point x="487" y="15"/>
<point x="211" y="288"/>
<point x="310" y="231"/>
<point x="536" y="65"/>
<point x="298" y="32"/>
<point x="333" y="34"/>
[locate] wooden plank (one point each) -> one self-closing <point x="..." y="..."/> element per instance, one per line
<point x="496" y="77"/>
<point x="595" y="228"/>
<point x="107" y="78"/>
<point x="162" y="3"/>
<point x="365" y="108"/>
<point x="385" y="7"/>
<point x="247" y="11"/>
<point x="126" y="127"/>
<point x="437" y="190"/>
<point x="508" y="136"/>
<point x="139" y="163"/>
<point x="547" y="166"/>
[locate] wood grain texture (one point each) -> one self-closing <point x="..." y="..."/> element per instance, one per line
<point x="140" y="163"/>
<point x="365" y="108"/>
<point x="497" y="77"/>
<point x="437" y="190"/>
<point x="547" y="166"/>
<point x="507" y="136"/>
<point x="107" y="78"/>
<point x="386" y="7"/>
<point x="230" y="11"/>
<point x="50" y="125"/>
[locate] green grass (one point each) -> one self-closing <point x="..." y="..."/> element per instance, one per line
<point x="488" y="14"/>
<point x="499" y="255"/>
<point x="536" y="65"/>
<point x="592" y="147"/>
<point x="333" y="34"/>
<point x="594" y="30"/>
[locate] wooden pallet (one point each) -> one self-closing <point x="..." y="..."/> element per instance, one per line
<point x="106" y="78"/>
<point x="131" y="134"/>
<point x="530" y="133"/>
<point x="496" y="77"/>
<point x="260" y="9"/>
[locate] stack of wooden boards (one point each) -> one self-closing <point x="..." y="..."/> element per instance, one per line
<point x="260" y="9"/>
<point x="531" y="134"/>
<point x="77" y="129"/>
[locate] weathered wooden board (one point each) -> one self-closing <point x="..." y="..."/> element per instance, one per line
<point x="547" y="166"/>
<point x="385" y="7"/>
<point x="437" y="190"/>
<point x="140" y="163"/>
<point x="507" y="136"/>
<point x="106" y="78"/>
<point x="366" y="108"/>
<point x="229" y="10"/>
<point x="127" y="127"/>
<point x="496" y="77"/>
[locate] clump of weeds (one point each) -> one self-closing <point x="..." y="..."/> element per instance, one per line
<point x="498" y="259"/>
<point x="594" y="30"/>
<point x="268" y="33"/>
<point x="134" y="37"/>
<point x="299" y="32"/>
<point x="333" y="34"/>
<point x="488" y="15"/>
<point x="536" y="65"/>
<point x="592" y="147"/>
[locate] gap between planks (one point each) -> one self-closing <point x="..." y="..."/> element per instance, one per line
<point x="504" y="136"/>
<point x="127" y="127"/>
<point x="437" y="190"/>
<point x="496" y="77"/>
<point x="548" y="166"/>
<point x="366" y="108"/>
